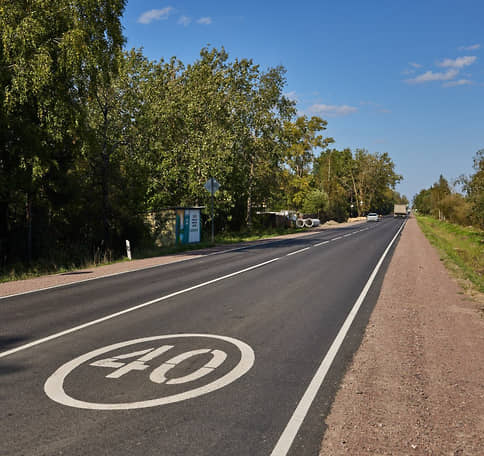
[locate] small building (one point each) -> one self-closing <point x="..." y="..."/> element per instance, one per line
<point x="176" y="225"/>
<point x="188" y="227"/>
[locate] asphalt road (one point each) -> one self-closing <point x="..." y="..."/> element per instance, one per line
<point x="205" y="357"/>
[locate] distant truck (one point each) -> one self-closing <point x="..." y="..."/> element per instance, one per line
<point x="400" y="210"/>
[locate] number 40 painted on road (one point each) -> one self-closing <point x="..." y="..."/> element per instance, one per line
<point x="158" y="375"/>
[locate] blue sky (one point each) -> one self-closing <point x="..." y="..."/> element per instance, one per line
<point x="403" y="77"/>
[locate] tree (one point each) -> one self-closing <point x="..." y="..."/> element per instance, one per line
<point x="438" y="192"/>
<point x="53" y="56"/>
<point x="372" y="176"/>
<point x="302" y="140"/>
<point x="316" y="203"/>
<point x="332" y="173"/>
<point x="474" y="187"/>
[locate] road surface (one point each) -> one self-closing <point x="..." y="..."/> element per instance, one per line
<point x="230" y="354"/>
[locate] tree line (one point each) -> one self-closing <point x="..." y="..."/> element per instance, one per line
<point x="93" y="137"/>
<point x="442" y="201"/>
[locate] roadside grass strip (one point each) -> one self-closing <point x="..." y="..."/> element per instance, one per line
<point x="461" y="248"/>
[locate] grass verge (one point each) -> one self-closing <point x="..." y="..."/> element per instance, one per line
<point x="461" y="249"/>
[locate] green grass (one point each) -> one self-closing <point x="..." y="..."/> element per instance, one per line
<point x="21" y="271"/>
<point x="461" y="248"/>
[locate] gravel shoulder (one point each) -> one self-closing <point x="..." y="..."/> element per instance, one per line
<point x="416" y="384"/>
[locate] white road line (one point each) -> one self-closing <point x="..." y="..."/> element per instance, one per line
<point x="287" y="437"/>
<point x="131" y="309"/>
<point x="197" y="256"/>
<point x="321" y="243"/>
<point x="298" y="251"/>
<point x="140" y="306"/>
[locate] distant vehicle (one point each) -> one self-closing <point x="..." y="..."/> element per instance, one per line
<point x="400" y="210"/>
<point x="372" y="217"/>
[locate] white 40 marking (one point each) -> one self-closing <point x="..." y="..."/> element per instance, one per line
<point x="158" y="375"/>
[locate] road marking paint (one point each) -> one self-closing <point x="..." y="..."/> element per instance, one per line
<point x="321" y="243"/>
<point x="198" y="256"/>
<point x="131" y="309"/>
<point x="289" y="434"/>
<point x="298" y="251"/>
<point x="54" y="386"/>
<point x="140" y="306"/>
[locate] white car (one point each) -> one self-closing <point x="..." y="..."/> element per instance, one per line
<point x="372" y="217"/>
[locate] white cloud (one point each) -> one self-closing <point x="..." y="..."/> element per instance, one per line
<point x="204" y="20"/>
<point x="459" y="62"/>
<point x="185" y="20"/>
<point x="415" y="65"/>
<point x="332" y="110"/>
<point x="459" y="82"/>
<point x="473" y="47"/>
<point x="431" y="76"/>
<point x="155" y="15"/>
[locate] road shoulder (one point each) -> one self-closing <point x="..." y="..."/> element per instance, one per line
<point x="415" y="384"/>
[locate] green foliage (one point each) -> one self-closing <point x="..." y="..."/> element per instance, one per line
<point x="92" y="138"/>
<point x="356" y="183"/>
<point x="302" y="139"/>
<point x="474" y="187"/>
<point x="442" y="202"/>
<point x="461" y="247"/>
<point x="316" y="203"/>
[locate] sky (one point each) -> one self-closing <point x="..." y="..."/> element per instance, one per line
<point x="403" y="77"/>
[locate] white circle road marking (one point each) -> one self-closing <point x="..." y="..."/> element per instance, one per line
<point x="54" y="386"/>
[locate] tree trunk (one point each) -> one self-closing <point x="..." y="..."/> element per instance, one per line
<point x="28" y="219"/>
<point x="249" y="196"/>
<point x="105" y="181"/>
<point x="357" y="197"/>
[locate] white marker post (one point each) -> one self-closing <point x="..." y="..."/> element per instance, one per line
<point x="128" y="249"/>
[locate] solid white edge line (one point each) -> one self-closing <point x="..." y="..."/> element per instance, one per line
<point x="298" y="251"/>
<point x="131" y="309"/>
<point x="289" y="434"/>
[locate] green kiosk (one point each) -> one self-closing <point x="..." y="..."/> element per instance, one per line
<point x="188" y="225"/>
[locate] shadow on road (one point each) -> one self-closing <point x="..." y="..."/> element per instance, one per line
<point x="7" y="341"/>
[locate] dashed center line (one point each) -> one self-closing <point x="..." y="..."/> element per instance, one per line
<point x="145" y="304"/>
<point x="298" y="251"/>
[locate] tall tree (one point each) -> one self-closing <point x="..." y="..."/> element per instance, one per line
<point x="303" y="140"/>
<point x="474" y="188"/>
<point x="52" y="57"/>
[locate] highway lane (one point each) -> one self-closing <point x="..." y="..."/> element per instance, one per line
<point x="36" y="315"/>
<point x="287" y="312"/>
